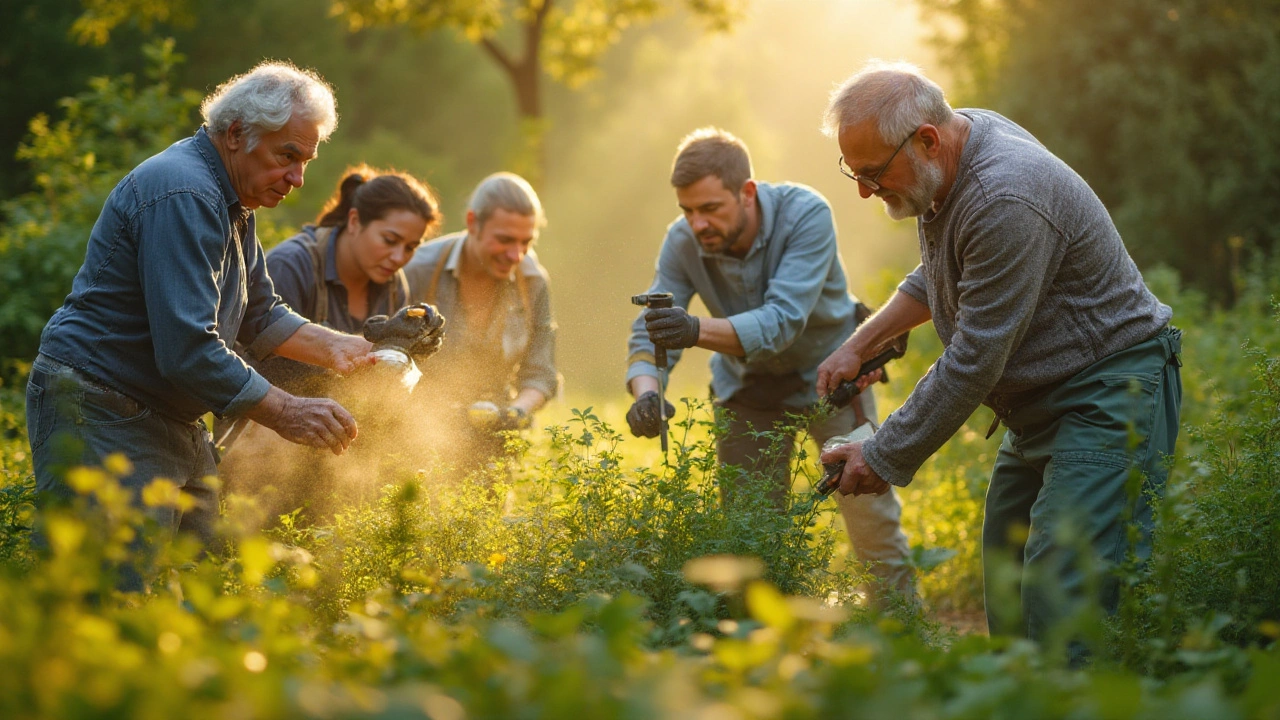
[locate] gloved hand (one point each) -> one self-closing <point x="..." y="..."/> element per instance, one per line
<point x="643" y="416"/>
<point x="417" y="330"/>
<point x="487" y="416"/>
<point x="672" y="327"/>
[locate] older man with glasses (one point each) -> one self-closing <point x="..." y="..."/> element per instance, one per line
<point x="1044" y="318"/>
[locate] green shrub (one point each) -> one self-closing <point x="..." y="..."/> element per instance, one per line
<point x="76" y="160"/>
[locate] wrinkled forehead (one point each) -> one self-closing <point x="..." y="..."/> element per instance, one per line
<point x="299" y="136"/>
<point x="861" y="145"/>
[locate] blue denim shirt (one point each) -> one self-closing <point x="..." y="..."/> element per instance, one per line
<point x="788" y="299"/>
<point x="173" y="276"/>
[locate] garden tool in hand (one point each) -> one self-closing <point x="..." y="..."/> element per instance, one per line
<point x="414" y="333"/>
<point x="842" y="395"/>
<point x="845" y="392"/>
<point x="658" y="300"/>
<point x="831" y="472"/>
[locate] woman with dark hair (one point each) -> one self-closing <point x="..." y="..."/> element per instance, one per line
<point x="338" y="272"/>
<point x="348" y="265"/>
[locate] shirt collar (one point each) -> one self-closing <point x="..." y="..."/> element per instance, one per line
<point x="204" y="144"/>
<point x="454" y="262"/>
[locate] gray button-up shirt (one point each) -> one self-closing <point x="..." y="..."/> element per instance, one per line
<point x="173" y="277"/>
<point x="787" y="299"/>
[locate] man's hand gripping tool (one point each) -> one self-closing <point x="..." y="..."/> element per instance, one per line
<point x="658" y="300"/>
<point x="842" y="395"/>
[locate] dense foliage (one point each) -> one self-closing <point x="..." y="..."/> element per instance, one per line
<point x="77" y="159"/>
<point x="446" y="598"/>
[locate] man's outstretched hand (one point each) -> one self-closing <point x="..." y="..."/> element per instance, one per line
<point x="643" y="416"/>
<point x="317" y="422"/>
<point x="417" y="330"/>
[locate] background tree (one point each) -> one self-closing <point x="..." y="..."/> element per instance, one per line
<point x="1167" y="107"/>
<point x="564" y="38"/>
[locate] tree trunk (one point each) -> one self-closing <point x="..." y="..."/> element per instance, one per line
<point x="525" y="75"/>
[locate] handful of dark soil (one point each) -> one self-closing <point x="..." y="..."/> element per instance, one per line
<point x="417" y="330"/>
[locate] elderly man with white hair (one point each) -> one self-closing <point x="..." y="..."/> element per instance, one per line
<point x="1044" y="318"/>
<point x="173" y="277"/>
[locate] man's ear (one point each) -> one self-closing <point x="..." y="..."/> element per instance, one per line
<point x="748" y="193"/>
<point x="473" y="226"/>
<point x="930" y="140"/>
<point x="235" y="136"/>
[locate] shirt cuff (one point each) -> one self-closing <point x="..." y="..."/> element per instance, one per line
<point x="911" y="286"/>
<point x="274" y="335"/>
<point x="640" y="367"/>
<point x="250" y="394"/>
<point x="548" y="389"/>
<point x="750" y="336"/>
<point x="886" y="471"/>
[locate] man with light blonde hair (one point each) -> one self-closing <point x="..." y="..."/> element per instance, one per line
<point x="1044" y="318"/>
<point x="763" y="258"/>
<point x="498" y="366"/>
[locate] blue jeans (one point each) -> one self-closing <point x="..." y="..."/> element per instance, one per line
<point x="74" y="420"/>
<point x="1076" y="467"/>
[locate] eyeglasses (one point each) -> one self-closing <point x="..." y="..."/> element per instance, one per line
<point x="871" y="183"/>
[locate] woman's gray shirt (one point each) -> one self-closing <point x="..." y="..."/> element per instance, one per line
<point x="1028" y="283"/>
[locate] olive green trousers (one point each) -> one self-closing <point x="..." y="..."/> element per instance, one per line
<point x="1076" y="469"/>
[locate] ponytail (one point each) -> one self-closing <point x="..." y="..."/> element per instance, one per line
<point x="340" y="203"/>
<point x="375" y="193"/>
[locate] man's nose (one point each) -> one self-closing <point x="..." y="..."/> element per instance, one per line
<point x="699" y="223"/>
<point x="294" y="176"/>
<point x="865" y="191"/>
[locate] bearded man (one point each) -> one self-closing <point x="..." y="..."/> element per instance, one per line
<point x="763" y="258"/>
<point x="1044" y="318"/>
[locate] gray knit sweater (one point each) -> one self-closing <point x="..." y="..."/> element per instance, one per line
<point x="1028" y="283"/>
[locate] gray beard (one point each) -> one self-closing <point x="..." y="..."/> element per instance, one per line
<point x="918" y="198"/>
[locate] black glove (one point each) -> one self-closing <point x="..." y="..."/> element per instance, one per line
<point x="643" y="416"/>
<point x="417" y="330"/>
<point x="672" y="327"/>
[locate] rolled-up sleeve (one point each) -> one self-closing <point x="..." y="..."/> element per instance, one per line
<point x="792" y="295"/>
<point x="538" y="369"/>
<point x="182" y="243"/>
<point x="669" y="276"/>
<point x="913" y="285"/>
<point x="1007" y="249"/>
